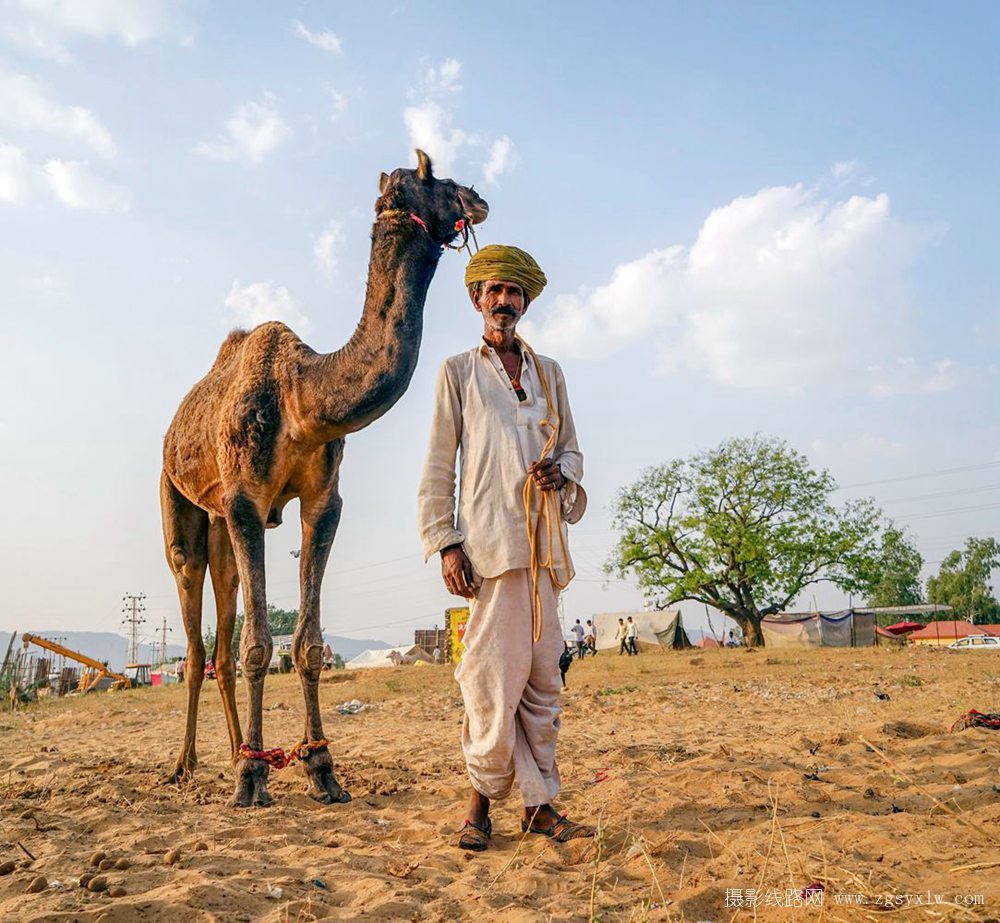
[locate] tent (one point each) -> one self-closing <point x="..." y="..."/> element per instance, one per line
<point x="660" y="628"/>
<point x="848" y="628"/>
<point x="902" y="628"/>
<point x="388" y="657"/>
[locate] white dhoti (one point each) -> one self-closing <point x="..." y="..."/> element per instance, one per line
<point x="511" y="687"/>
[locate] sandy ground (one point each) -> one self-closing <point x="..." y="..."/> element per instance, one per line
<point x="724" y="771"/>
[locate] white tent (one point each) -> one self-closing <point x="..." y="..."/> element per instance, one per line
<point x="661" y="628"/>
<point x="388" y="657"/>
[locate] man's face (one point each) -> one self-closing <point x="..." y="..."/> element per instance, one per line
<point x="502" y="305"/>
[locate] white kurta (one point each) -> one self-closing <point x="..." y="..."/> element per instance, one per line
<point x="510" y="684"/>
<point x="476" y="410"/>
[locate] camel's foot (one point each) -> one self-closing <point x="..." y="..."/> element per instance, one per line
<point x="323" y="784"/>
<point x="251" y="785"/>
<point x="182" y="772"/>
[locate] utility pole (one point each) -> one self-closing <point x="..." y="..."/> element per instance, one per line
<point x="163" y="640"/>
<point x="133" y="608"/>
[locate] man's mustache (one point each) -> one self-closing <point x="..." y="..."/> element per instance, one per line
<point x="510" y="312"/>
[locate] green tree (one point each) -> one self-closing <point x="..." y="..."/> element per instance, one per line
<point x="895" y="580"/>
<point x="744" y="528"/>
<point x="964" y="581"/>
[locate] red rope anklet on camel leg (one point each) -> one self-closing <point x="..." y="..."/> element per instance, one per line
<point x="277" y="758"/>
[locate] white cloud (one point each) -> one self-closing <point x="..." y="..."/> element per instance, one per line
<point x="845" y="168"/>
<point x="15" y="174"/>
<point x="443" y="79"/>
<point x="258" y="302"/>
<point x="780" y="289"/>
<point x="71" y="183"/>
<point x="326" y="247"/>
<point x="75" y="186"/>
<point x="338" y="103"/>
<point x="502" y="158"/>
<point x="25" y="104"/>
<point x="43" y="26"/>
<point x="251" y="133"/>
<point x="326" y="40"/>
<point x="430" y="125"/>
<point x="906" y="376"/>
<point x="431" y="129"/>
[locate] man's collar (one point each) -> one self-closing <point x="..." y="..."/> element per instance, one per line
<point x="486" y="349"/>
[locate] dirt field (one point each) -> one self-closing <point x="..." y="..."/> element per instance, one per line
<point x="722" y="770"/>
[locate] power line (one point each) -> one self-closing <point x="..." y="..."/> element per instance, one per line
<point x="943" y="493"/>
<point x="958" y="509"/>
<point x="917" y="477"/>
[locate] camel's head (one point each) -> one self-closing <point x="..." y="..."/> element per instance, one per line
<point x="441" y="204"/>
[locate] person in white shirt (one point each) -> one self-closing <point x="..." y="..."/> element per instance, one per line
<point x="590" y="639"/>
<point x="632" y="636"/>
<point x="580" y="635"/>
<point x="504" y="410"/>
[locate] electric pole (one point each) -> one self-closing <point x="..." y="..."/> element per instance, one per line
<point x="133" y="608"/>
<point x="163" y="640"/>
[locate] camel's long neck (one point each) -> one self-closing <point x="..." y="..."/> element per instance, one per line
<point x="357" y="384"/>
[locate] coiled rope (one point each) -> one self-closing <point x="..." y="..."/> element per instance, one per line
<point x="545" y="513"/>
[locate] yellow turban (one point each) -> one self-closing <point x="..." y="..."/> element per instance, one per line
<point x="506" y="264"/>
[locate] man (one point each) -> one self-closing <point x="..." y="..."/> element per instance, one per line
<point x="632" y="636"/>
<point x="590" y="639"/>
<point x="504" y="407"/>
<point x="578" y="633"/>
<point x="620" y="636"/>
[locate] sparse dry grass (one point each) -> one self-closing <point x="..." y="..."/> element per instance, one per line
<point x="725" y="770"/>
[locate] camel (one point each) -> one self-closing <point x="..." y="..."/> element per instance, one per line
<point x="267" y="424"/>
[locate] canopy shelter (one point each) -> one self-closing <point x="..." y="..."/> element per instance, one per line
<point x="848" y="628"/>
<point x="661" y="628"/>
<point x="389" y="657"/>
<point x="902" y="628"/>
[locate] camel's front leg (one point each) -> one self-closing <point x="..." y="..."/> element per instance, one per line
<point x="320" y="517"/>
<point x="246" y="531"/>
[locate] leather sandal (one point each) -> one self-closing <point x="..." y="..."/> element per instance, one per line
<point x="561" y="831"/>
<point x="475" y="837"/>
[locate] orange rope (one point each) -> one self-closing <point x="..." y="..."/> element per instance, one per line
<point x="547" y="510"/>
<point x="278" y="758"/>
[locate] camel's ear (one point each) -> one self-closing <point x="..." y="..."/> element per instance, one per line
<point x="383" y="181"/>
<point x="424" y="173"/>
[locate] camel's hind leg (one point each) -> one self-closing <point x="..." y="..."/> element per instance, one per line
<point x="225" y="584"/>
<point x="185" y="534"/>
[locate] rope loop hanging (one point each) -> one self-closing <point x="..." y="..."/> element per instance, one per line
<point x="541" y="511"/>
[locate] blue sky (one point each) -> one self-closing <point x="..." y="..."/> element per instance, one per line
<point x="754" y="217"/>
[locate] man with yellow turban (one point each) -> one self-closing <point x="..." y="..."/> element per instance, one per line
<point x="503" y="410"/>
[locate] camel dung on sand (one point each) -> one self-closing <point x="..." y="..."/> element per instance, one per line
<point x="267" y="424"/>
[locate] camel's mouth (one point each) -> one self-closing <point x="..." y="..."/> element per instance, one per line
<point x="479" y="212"/>
<point x="476" y="208"/>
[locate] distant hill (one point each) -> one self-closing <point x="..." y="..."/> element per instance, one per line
<point x="108" y="647"/>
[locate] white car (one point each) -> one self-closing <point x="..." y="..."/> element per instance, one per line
<point x="976" y="643"/>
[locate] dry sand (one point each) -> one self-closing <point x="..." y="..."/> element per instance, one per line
<point x="724" y="770"/>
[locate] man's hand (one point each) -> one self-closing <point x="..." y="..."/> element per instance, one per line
<point x="547" y="474"/>
<point x="457" y="572"/>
